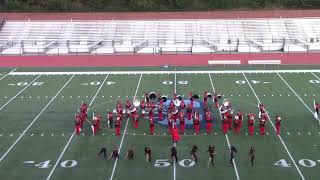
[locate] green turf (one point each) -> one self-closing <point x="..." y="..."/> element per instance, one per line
<point x="52" y="129"/>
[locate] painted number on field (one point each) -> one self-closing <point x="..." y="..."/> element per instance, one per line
<point x="251" y="81"/>
<point x="314" y="81"/>
<point x="171" y="82"/>
<point x="165" y="163"/>
<point x="302" y="162"/>
<point x="97" y="83"/>
<point x="46" y="164"/>
<point x="26" y="83"/>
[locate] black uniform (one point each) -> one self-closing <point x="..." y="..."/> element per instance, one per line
<point x="147" y="151"/>
<point x="174" y="153"/>
<point x="193" y="153"/>
<point x="130" y="153"/>
<point x="103" y="151"/>
<point x="233" y="150"/>
<point x="211" y="150"/>
<point x="115" y="153"/>
<point x="252" y="153"/>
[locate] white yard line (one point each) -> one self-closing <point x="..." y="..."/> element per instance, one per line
<point x="19" y="92"/>
<point x="296" y="94"/>
<point x="226" y="135"/>
<point x="163" y="72"/>
<point x="284" y="145"/>
<point x="175" y="82"/>
<point x="34" y="120"/>
<point x="7" y="74"/>
<point x="125" y="130"/>
<point x="174" y="144"/>
<point x="71" y="137"/>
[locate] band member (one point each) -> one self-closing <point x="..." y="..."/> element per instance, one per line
<point x="118" y="125"/>
<point x="262" y="109"/>
<point x="189" y="112"/>
<point x="182" y="122"/>
<point x="135" y="120"/>
<point x="146" y="97"/>
<point x="225" y="125"/>
<point x="143" y="108"/>
<point x="160" y="110"/>
<point x="77" y="125"/>
<point x="94" y="126"/>
<point x="316" y="107"/>
<point x="173" y="155"/>
<point x="128" y="106"/>
<point x="251" y="124"/>
<point x="151" y="125"/>
<point x="114" y="154"/>
<point x="252" y="153"/>
<point x="119" y="108"/>
<point x="103" y="151"/>
<point x="212" y="153"/>
<point x="196" y="122"/>
<point x="240" y="115"/>
<point x="182" y="105"/>
<point x="278" y="124"/>
<point x="230" y="118"/>
<point x="110" y="119"/>
<point x="84" y="108"/>
<point x="233" y="151"/>
<point x="170" y="123"/>
<point x="208" y="122"/>
<point x="237" y="125"/>
<point x="130" y="154"/>
<point x="205" y="99"/>
<point x="191" y="99"/>
<point x="263" y="120"/>
<point x="147" y="154"/>
<point x="216" y="100"/>
<point x="193" y="153"/>
<point x="175" y="133"/>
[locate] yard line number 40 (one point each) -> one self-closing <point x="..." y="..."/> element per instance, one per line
<point x="46" y="164"/>
<point x="303" y="162"/>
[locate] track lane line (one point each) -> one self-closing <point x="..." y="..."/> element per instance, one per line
<point x="226" y="135"/>
<point x="7" y="74"/>
<point x="34" y="120"/>
<point x="296" y="94"/>
<point x="19" y="92"/>
<point x="280" y="138"/>
<point x="124" y="132"/>
<point x="71" y="137"/>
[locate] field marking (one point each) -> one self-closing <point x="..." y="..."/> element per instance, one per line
<point x="34" y="120"/>
<point x="71" y="137"/>
<point x="284" y="145"/>
<point x="124" y="132"/>
<point x="163" y="72"/>
<point x="226" y="135"/>
<point x="19" y="92"/>
<point x="7" y="74"/>
<point x="296" y="94"/>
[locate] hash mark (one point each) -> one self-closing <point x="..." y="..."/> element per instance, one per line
<point x="11" y="135"/>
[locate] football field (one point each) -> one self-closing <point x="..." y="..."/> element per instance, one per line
<point x="37" y="139"/>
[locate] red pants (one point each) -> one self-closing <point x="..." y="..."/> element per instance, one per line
<point x="182" y="126"/>
<point x="151" y="129"/>
<point x="205" y="104"/>
<point x="216" y="103"/>
<point x="197" y="128"/>
<point x="118" y="131"/>
<point x="135" y="124"/>
<point x="189" y="116"/>
<point x="230" y="124"/>
<point x="160" y="116"/>
<point x="170" y="129"/>
<point x="251" y="130"/>
<point x="208" y="128"/>
<point x="262" y="130"/>
<point x="78" y="129"/>
<point x="237" y="129"/>
<point x="95" y="130"/>
<point x="225" y="128"/>
<point x="278" y="127"/>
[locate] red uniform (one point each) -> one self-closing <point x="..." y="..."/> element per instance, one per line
<point x="191" y="99"/>
<point x="175" y="134"/>
<point x="317" y="106"/>
<point x="151" y="125"/>
<point x="77" y="125"/>
<point x="94" y="127"/>
<point x="182" y="105"/>
<point x="216" y="101"/>
<point x="225" y="125"/>
<point x="182" y="122"/>
<point x="205" y="99"/>
<point x="263" y="121"/>
<point x="278" y="124"/>
<point x="237" y="123"/>
<point x="160" y="113"/>
<point x="208" y="122"/>
<point x="230" y="117"/>
<point x="240" y="115"/>
<point x="135" y="120"/>
<point x="251" y="124"/>
<point x="110" y="119"/>
<point x="118" y="126"/>
<point x="196" y="123"/>
<point x="170" y="122"/>
<point x="189" y="112"/>
<point x="143" y="108"/>
<point x="262" y="109"/>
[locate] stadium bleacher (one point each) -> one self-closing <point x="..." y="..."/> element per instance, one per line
<point x="160" y="36"/>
